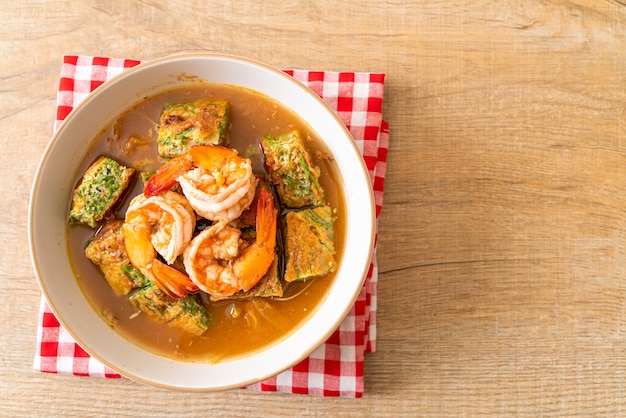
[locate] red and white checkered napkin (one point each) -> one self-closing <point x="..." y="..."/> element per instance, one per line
<point x="336" y="367"/>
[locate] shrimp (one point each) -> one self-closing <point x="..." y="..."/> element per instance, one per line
<point x="163" y="224"/>
<point x="217" y="263"/>
<point x="218" y="182"/>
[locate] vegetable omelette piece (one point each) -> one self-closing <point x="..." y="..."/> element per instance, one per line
<point x="290" y="169"/>
<point x="106" y="250"/>
<point x="101" y="187"/>
<point x="184" y="125"/>
<point x="185" y="314"/>
<point x="309" y="243"/>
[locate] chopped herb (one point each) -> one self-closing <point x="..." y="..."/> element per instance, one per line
<point x="135" y="275"/>
<point x="183" y="135"/>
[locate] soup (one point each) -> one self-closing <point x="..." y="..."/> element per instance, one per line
<point x="237" y="326"/>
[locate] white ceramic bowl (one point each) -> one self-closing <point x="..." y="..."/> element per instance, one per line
<point x="52" y="189"/>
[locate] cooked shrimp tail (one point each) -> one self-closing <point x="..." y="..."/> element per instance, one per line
<point x="166" y="176"/>
<point x="266" y="220"/>
<point x="257" y="258"/>
<point x="171" y="281"/>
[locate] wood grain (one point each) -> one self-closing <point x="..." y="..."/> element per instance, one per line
<point x="502" y="236"/>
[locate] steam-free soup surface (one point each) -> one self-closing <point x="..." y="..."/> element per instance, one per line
<point x="239" y="326"/>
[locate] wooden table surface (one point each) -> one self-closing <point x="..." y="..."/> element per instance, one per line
<point x="502" y="248"/>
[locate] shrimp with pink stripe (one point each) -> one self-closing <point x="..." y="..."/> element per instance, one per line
<point x="161" y="224"/>
<point x="216" y="180"/>
<point x="219" y="263"/>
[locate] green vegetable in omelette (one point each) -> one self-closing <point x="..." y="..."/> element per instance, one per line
<point x="290" y="169"/>
<point x="101" y="187"/>
<point x="185" y="314"/>
<point x="184" y="125"/>
<point x="309" y="243"/>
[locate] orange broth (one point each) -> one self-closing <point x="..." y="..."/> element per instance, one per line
<point x="238" y="327"/>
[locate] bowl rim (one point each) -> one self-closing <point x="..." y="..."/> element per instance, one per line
<point x="39" y="273"/>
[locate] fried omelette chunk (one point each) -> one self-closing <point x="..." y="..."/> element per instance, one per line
<point x="184" y="125"/>
<point x="101" y="187"/>
<point x="185" y="314"/>
<point x="106" y="250"/>
<point x="309" y="243"/>
<point x="290" y="169"/>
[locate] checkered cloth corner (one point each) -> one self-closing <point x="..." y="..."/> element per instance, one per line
<point x="336" y="367"/>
